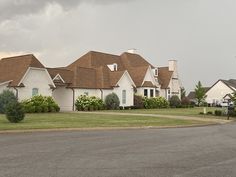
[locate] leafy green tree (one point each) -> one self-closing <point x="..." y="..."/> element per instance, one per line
<point x="200" y="93"/>
<point x="175" y="101"/>
<point x="6" y="97"/>
<point x="112" y="101"/>
<point x="15" y="112"/>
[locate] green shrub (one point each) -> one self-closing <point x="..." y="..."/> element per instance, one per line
<point x="86" y="103"/>
<point x="156" y="102"/>
<point x="6" y="97"/>
<point x="209" y="113"/>
<point x="112" y="101"/>
<point x="40" y="104"/>
<point x="138" y="102"/>
<point x="15" y="112"/>
<point x="218" y="113"/>
<point x="175" y="101"/>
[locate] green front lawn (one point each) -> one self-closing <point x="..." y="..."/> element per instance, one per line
<point x="172" y="111"/>
<point x="83" y="120"/>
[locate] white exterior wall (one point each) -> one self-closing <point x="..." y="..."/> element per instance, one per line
<point x="64" y="98"/>
<point x="175" y="88"/>
<point x="217" y="92"/>
<point x="35" y="78"/>
<point x="163" y="93"/>
<point x="125" y="83"/>
<point x="106" y="92"/>
<point x="91" y="92"/>
<point x="3" y="87"/>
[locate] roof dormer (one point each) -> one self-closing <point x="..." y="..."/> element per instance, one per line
<point x="113" y="67"/>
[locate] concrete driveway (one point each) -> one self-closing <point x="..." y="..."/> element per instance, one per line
<point x="180" y="152"/>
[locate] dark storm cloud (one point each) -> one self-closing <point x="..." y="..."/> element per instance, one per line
<point x="12" y="8"/>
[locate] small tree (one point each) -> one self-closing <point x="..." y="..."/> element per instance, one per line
<point x="175" y="101"/>
<point x="112" y="101"/>
<point x="6" y="97"/>
<point x="200" y="93"/>
<point x="15" y="112"/>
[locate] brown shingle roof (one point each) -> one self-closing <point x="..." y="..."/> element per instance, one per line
<point x="66" y="74"/>
<point x="164" y="77"/>
<point x="96" y="78"/>
<point x="115" y="77"/>
<point x="14" y="68"/>
<point x="138" y="74"/>
<point x="133" y="60"/>
<point x="133" y="63"/>
<point x="96" y="59"/>
<point x="148" y="84"/>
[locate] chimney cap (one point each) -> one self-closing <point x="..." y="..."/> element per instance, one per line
<point x="132" y="51"/>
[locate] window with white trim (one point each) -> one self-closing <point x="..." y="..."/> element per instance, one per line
<point x="35" y="91"/>
<point x="151" y="93"/>
<point x="145" y="92"/>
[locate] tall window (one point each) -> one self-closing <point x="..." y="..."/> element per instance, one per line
<point x="151" y="93"/>
<point x="156" y="72"/>
<point x="35" y="91"/>
<point x="123" y="96"/>
<point x="145" y="92"/>
<point x="168" y="94"/>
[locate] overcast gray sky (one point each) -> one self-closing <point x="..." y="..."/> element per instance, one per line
<point x="200" y="34"/>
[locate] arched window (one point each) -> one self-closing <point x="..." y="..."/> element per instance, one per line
<point x="35" y="91"/>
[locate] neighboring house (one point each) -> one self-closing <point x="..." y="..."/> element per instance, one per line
<point x="94" y="74"/>
<point x="192" y="95"/>
<point x="220" y="91"/>
<point x="25" y="76"/>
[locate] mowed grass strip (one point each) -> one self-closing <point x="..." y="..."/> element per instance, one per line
<point x="172" y="111"/>
<point x="83" y="120"/>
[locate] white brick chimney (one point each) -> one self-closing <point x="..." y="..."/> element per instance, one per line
<point x="173" y="65"/>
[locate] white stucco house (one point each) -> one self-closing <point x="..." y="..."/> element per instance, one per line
<point x="221" y="91"/>
<point x="94" y="74"/>
<point x="25" y="76"/>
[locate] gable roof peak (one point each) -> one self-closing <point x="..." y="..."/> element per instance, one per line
<point x="19" y="56"/>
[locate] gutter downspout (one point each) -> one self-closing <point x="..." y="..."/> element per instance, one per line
<point x="73" y="96"/>
<point x="16" y="92"/>
<point x="101" y="94"/>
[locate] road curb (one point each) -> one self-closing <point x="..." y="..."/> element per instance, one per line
<point x="104" y="128"/>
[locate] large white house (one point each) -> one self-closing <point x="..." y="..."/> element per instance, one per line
<point x="220" y="91"/>
<point x="94" y="74"/>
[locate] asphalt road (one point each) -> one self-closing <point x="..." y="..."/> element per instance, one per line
<point x="181" y="152"/>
